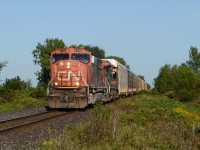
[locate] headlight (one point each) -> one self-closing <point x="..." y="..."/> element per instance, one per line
<point x="68" y="65"/>
<point x="77" y="83"/>
<point x="56" y="83"/>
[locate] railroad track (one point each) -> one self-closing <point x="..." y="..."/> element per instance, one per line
<point x="8" y="125"/>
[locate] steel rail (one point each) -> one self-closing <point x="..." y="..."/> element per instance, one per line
<point x="30" y="122"/>
<point x="3" y="121"/>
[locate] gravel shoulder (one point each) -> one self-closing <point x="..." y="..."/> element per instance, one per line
<point x="31" y="138"/>
<point x="21" y="112"/>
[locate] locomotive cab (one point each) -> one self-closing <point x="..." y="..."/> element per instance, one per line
<point x="68" y="68"/>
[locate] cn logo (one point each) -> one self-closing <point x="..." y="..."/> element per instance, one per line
<point x="64" y="76"/>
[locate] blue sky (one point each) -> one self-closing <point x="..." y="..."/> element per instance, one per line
<point x="147" y="34"/>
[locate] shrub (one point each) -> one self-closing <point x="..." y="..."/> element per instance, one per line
<point x="142" y="122"/>
<point x="185" y="78"/>
<point x="17" y="84"/>
<point x="2" y="101"/>
<point x="163" y="82"/>
<point x="99" y="128"/>
<point x="177" y="82"/>
<point x="145" y="92"/>
<point x="185" y="95"/>
<point x="7" y="95"/>
<point x="38" y="92"/>
<point x="30" y="102"/>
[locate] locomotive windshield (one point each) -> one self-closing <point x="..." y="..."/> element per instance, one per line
<point x="57" y="57"/>
<point x="85" y="58"/>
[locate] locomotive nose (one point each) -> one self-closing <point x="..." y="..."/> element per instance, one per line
<point x="68" y="74"/>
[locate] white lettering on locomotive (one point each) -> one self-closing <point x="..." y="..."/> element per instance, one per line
<point x="64" y="76"/>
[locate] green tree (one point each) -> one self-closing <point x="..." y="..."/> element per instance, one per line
<point x="178" y="81"/>
<point x="38" y="92"/>
<point x="41" y="56"/>
<point x="141" y="77"/>
<point x="194" y="59"/>
<point x="2" y="64"/>
<point x="17" y="84"/>
<point x="185" y="78"/>
<point x="97" y="52"/>
<point x="12" y="89"/>
<point x="185" y="84"/>
<point x="127" y="66"/>
<point x="163" y="83"/>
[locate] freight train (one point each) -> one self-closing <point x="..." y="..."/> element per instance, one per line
<point x="79" y="79"/>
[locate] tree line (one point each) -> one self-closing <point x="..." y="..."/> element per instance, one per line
<point x="176" y="81"/>
<point x="180" y="81"/>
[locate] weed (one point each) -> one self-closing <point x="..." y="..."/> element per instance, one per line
<point x="142" y="122"/>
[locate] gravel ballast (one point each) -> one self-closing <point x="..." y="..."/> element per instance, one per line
<point x="21" y="112"/>
<point x="31" y="138"/>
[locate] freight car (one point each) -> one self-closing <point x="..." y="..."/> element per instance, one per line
<point x="79" y="79"/>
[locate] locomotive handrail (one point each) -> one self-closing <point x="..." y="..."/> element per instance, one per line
<point x="84" y="82"/>
<point x="107" y="84"/>
<point x="48" y="87"/>
<point x="50" y="81"/>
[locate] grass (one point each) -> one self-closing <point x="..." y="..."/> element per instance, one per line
<point x="141" y="122"/>
<point x="23" y="103"/>
<point x="21" y="100"/>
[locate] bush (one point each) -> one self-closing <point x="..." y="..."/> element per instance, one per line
<point x="99" y="129"/>
<point x="142" y="122"/>
<point x="21" y="101"/>
<point x="170" y="94"/>
<point x="17" y="84"/>
<point x="30" y="102"/>
<point x="16" y="93"/>
<point x="185" y="95"/>
<point x="145" y="92"/>
<point x="7" y="95"/>
<point x="184" y="78"/>
<point x="38" y="92"/>
<point x="177" y="82"/>
<point x="2" y="101"/>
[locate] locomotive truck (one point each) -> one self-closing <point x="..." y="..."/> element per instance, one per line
<point x="79" y="79"/>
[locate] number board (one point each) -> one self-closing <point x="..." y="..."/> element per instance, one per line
<point x="62" y="50"/>
<point x="77" y="50"/>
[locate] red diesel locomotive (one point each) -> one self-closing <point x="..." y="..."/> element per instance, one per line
<point x="78" y="79"/>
